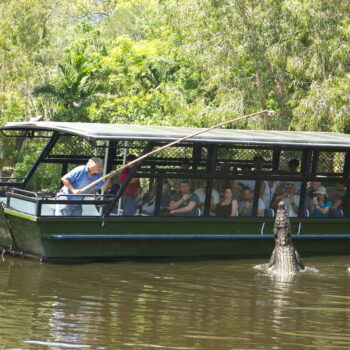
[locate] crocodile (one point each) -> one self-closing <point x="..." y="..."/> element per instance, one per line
<point x="285" y="258"/>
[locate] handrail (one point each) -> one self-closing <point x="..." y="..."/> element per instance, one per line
<point x="183" y="236"/>
<point x="30" y="193"/>
<point x="299" y="229"/>
<point x="11" y="177"/>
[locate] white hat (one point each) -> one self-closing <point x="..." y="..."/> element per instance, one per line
<point x="321" y="190"/>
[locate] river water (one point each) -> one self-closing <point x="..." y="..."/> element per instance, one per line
<point x="223" y="304"/>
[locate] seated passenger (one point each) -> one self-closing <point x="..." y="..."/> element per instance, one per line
<point x="336" y="195"/>
<point x="290" y="198"/>
<point x="310" y="192"/>
<point x="183" y="203"/>
<point x="228" y="206"/>
<point x="245" y="205"/>
<point x="258" y="163"/>
<point x="215" y="197"/>
<point x="267" y="191"/>
<point x="320" y="205"/>
<point x="293" y="165"/>
<point x="132" y="193"/>
<point x="149" y="200"/>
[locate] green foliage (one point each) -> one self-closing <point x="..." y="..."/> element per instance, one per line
<point x="177" y="62"/>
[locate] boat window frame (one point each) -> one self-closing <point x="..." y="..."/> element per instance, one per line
<point x="308" y="166"/>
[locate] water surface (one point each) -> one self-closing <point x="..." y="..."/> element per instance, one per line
<point x="218" y="305"/>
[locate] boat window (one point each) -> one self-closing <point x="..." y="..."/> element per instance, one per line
<point x="326" y="199"/>
<point x="46" y="179"/>
<point x="329" y="163"/>
<point x="290" y="161"/>
<point x="241" y="159"/>
<point x="72" y="151"/>
<point x="177" y="160"/>
<point x="19" y="156"/>
<point x="273" y="192"/>
<point x="238" y="198"/>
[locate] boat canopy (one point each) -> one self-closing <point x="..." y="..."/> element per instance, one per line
<point x="99" y="131"/>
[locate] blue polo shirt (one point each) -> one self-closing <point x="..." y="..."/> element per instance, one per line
<point x="79" y="178"/>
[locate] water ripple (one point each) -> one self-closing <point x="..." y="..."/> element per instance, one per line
<point x="184" y="305"/>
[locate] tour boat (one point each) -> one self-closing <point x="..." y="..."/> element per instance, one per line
<point x="219" y="158"/>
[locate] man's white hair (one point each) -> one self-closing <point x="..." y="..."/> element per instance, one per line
<point x="94" y="161"/>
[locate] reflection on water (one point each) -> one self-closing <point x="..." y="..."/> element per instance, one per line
<point x="173" y="305"/>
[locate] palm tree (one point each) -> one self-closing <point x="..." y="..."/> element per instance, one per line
<point x="75" y="84"/>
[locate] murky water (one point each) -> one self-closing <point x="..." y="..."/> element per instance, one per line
<point x="173" y="305"/>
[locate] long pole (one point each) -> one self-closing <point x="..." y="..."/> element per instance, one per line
<point x="269" y="113"/>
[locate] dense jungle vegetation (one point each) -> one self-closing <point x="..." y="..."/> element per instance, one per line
<point x="177" y="62"/>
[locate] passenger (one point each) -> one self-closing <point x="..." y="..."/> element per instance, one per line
<point x="183" y="203"/>
<point x="149" y="200"/>
<point x="293" y="165"/>
<point x="320" y="205"/>
<point x="267" y="191"/>
<point x="258" y="163"/>
<point x="76" y="180"/>
<point x="336" y="195"/>
<point x="131" y="198"/>
<point x="215" y="197"/>
<point x="228" y="206"/>
<point x="185" y="164"/>
<point x="245" y="205"/>
<point x="290" y="198"/>
<point x="310" y="192"/>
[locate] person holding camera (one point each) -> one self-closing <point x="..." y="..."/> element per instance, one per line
<point x="290" y="198"/>
<point x="320" y="205"/>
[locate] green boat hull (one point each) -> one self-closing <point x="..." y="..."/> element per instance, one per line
<point x="68" y="239"/>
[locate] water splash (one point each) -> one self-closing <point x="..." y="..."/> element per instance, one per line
<point x="265" y="268"/>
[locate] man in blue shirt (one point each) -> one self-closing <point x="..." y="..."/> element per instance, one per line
<point x="75" y="181"/>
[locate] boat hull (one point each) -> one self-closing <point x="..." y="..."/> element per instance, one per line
<point x="68" y="239"/>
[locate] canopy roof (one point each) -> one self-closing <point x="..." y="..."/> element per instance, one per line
<point x="97" y="131"/>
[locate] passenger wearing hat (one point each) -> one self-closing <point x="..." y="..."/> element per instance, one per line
<point x="320" y="205"/>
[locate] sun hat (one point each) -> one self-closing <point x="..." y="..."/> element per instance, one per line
<point x="321" y="190"/>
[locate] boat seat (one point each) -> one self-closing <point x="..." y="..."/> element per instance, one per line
<point x="269" y="213"/>
<point x="197" y="212"/>
<point x="336" y="213"/>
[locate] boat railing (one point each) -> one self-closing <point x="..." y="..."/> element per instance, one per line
<point x="25" y="192"/>
<point x="11" y="181"/>
<point x="44" y="205"/>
